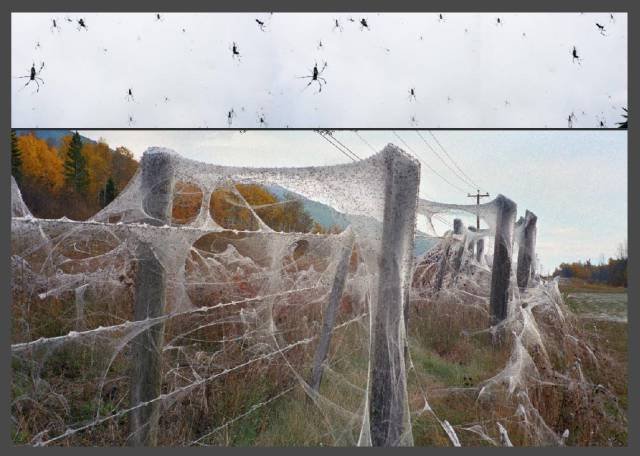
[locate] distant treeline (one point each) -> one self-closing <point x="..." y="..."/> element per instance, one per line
<point x="73" y="177"/>
<point x="613" y="272"/>
<point x="76" y="177"/>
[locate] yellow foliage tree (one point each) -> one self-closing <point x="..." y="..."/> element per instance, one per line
<point x="41" y="164"/>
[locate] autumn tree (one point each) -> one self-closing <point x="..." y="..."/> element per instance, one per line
<point x="234" y="208"/>
<point x="16" y="157"/>
<point x="42" y="176"/>
<point x="75" y="166"/>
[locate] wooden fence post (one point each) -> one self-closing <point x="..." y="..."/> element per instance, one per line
<point x="388" y="407"/>
<point x="331" y="311"/>
<point x="150" y="302"/>
<point x="501" y="270"/>
<point x="526" y="249"/>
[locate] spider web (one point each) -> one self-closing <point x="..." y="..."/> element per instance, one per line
<point x="256" y="324"/>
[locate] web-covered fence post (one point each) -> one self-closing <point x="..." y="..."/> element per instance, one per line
<point x="501" y="269"/>
<point x="526" y="249"/>
<point x="150" y="301"/>
<point x="389" y="420"/>
<point x="331" y="311"/>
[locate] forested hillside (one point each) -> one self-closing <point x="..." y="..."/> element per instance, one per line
<point x="71" y="177"/>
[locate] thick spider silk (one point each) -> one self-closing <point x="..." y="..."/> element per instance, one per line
<point x="247" y="320"/>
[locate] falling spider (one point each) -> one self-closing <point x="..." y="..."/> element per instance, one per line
<point x="575" y="56"/>
<point x="261" y="120"/>
<point x="412" y="94"/>
<point x="82" y="25"/>
<point x="131" y="121"/>
<point x="158" y="17"/>
<point x="315" y="76"/>
<point x="129" y="96"/>
<point x="235" y="53"/>
<point x="601" y="29"/>
<point x="34" y="76"/>
<point x="363" y="24"/>
<point x="320" y="46"/>
<point x="337" y="25"/>
<point x="440" y="18"/>
<point x="261" y="25"/>
<point x="230" y="115"/>
<point x="498" y="21"/>
<point x="54" y="26"/>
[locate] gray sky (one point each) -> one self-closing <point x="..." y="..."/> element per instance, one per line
<point x="467" y="71"/>
<point x="575" y="181"/>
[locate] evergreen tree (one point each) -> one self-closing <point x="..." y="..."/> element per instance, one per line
<point x="16" y="157"/>
<point x="109" y="193"/>
<point x="75" y="166"/>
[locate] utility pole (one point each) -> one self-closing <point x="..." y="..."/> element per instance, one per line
<point x="477" y="196"/>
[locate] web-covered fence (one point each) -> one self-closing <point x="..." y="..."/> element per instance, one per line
<point x="139" y="327"/>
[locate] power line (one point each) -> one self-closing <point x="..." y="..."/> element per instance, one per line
<point x="345" y="153"/>
<point x="427" y="165"/>
<point x="464" y="181"/>
<point x="338" y="141"/>
<point x="476" y="186"/>
<point x="365" y="141"/>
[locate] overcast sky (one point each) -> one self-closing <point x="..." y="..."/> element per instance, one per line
<point x="575" y="181"/>
<point x="466" y="70"/>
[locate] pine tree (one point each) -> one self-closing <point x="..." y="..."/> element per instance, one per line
<point x="16" y="157"/>
<point x="75" y="166"/>
<point x="109" y="193"/>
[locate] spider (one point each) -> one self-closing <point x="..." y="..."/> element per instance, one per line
<point x="507" y="103"/>
<point x="38" y="45"/>
<point x="611" y="18"/>
<point x="54" y="26"/>
<point x="570" y="119"/>
<point x="82" y="25"/>
<point x="412" y="94"/>
<point x="575" y="56"/>
<point x="158" y="17"/>
<point x="320" y="46"/>
<point x="34" y="76"/>
<point x="601" y="122"/>
<point x="260" y="25"/>
<point x="449" y="99"/>
<point x="230" y="115"/>
<point x="315" y="76"/>
<point x="235" y="53"/>
<point x="131" y="121"/>
<point x="498" y="21"/>
<point x="601" y="29"/>
<point x="337" y="25"/>
<point x="440" y="18"/>
<point x="414" y="121"/>
<point x="363" y="24"/>
<point x="129" y="96"/>
<point x="166" y="99"/>
<point x="262" y="121"/>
